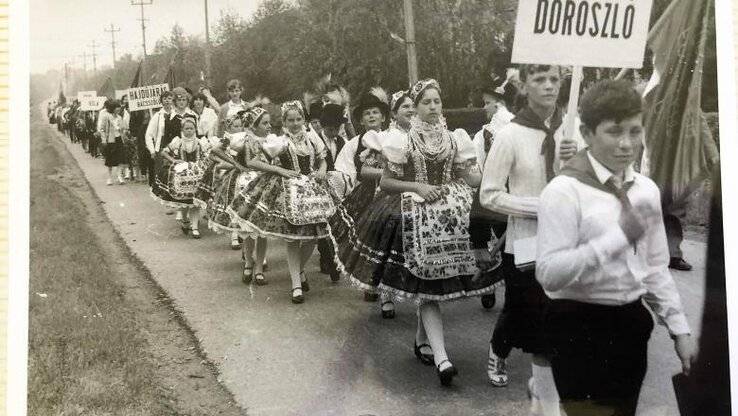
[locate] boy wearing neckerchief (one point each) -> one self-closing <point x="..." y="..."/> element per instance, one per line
<point x="524" y="156"/>
<point x="602" y="251"/>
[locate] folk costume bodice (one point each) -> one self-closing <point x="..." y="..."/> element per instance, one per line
<point x="191" y="149"/>
<point x="302" y="152"/>
<point x="173" y="125"/>
<point x="428" y="153"/>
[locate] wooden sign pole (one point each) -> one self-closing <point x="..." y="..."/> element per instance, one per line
<point x="571" y="112"/>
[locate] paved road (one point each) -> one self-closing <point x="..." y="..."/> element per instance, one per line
<point x="334" y="354"/>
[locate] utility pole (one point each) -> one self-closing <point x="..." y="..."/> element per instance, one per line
<point x="112" y="32"/>
<point x="412" y="58"/>
<point x="143" y="19"/>
<point x="94" y="45"/>
<point x="207" y="46"/>
<point x="66" y="79"/>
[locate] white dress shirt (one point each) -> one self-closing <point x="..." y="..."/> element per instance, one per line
<point x="207" y="124"/>
<point x="583" y="254"/>
<point x="234" y="108"/>
<point x="516" y="155"/>
<point x="155" y="130"/>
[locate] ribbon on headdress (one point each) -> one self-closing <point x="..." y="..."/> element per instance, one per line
<point x="252" y="115"/>
<point x="421" y="86"/>
<point x="396" y="97"/>
<point x="286" y="106"/>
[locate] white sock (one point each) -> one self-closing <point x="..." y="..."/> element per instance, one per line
<point x="545" y="389"/>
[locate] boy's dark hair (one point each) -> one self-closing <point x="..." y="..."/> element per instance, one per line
<point x="530" y="69"/>
<point x="609" y="100"/>
<point x="164" y="95"/>
<point x="234" y="83"/>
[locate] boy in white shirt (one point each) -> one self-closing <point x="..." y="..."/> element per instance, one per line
<point x="525" y="155"/>
<point x="602" y="251"/>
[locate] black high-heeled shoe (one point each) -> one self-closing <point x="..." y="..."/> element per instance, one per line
<point x="448" y="374"/>
<point x="426" y="359"/>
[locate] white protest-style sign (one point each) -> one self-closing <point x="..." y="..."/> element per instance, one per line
<point x="92" y="104"/>
<point x="81" y="95"/>
<point x="595" y="33"/>
<point x="120" y="93"/>
<point x="144" y="98"/>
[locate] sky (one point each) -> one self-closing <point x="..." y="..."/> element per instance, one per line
<point x="62" y="30"/>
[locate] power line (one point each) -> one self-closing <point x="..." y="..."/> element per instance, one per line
<point x="94" y="45"/>
<point x="112" y="32"/>
<point x="143" y="19"/>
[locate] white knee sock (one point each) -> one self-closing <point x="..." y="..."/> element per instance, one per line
<point x="545" y="389"/>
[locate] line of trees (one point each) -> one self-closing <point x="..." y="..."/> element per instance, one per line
<point x="286" y="45"/>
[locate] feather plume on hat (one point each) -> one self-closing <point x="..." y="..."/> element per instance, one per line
<point x="331" y="92"/>
<point x="512" y="76"/>
<point x="380" y="93"/>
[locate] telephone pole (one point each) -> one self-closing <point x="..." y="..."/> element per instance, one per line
<point x="207" y="46"/>
<point x="84" y="58"/>
<point x="66" y="79"/>
<point x="143" y="19"/>
<point x="112" y="32"/>
<point x="94" y="46"/>
<point x="412" y="58"/>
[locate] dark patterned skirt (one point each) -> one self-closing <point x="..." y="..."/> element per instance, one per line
<point x="261" y="209"/>
<point x="175" y="187"/>
<point x="228" y="185"/>
<point x="206" y="187"/>
<point x="368" y="239"/>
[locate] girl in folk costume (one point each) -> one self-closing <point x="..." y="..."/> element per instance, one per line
<point x="184" y="161"/>
<point x="361" y="163"/>
<point x="220" y="161"/>
<point x="173" y="123"/>
<point x="247" y="155"/>
<point x="412" y="241"/>
<point x="289" y="201"/>
<point x="403" y="109"/>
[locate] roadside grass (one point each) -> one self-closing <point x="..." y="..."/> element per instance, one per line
<point x="86" y="351"/>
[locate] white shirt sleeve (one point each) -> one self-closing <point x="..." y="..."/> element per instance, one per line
<point x="151" y="132"/>
<point x="345" y="160"/>
<point x="661" y="292"/>
<point x="479" y="147"/>
<point x="493" y="192"/>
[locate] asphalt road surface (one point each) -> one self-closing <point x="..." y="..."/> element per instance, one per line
<point x="334" y="354"/>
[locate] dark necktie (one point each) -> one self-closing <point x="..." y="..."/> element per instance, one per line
<point x="620" y="190"/>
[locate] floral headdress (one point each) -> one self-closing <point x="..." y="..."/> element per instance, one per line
<point x="290" y="105"/>
<point x="188" y="119"/>
<point x="397" y="98"/>
<point x="421" y="86"/>
<point x="252" y="115"/>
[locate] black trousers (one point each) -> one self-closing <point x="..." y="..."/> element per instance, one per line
<point x="520" y="324"/>
<point x="325" y="248"/>
<point x="598" y="355"/>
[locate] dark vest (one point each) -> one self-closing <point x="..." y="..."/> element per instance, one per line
<point x="331" y="158"/>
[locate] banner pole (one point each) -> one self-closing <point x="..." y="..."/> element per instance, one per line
<point x="571" y="112"/>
